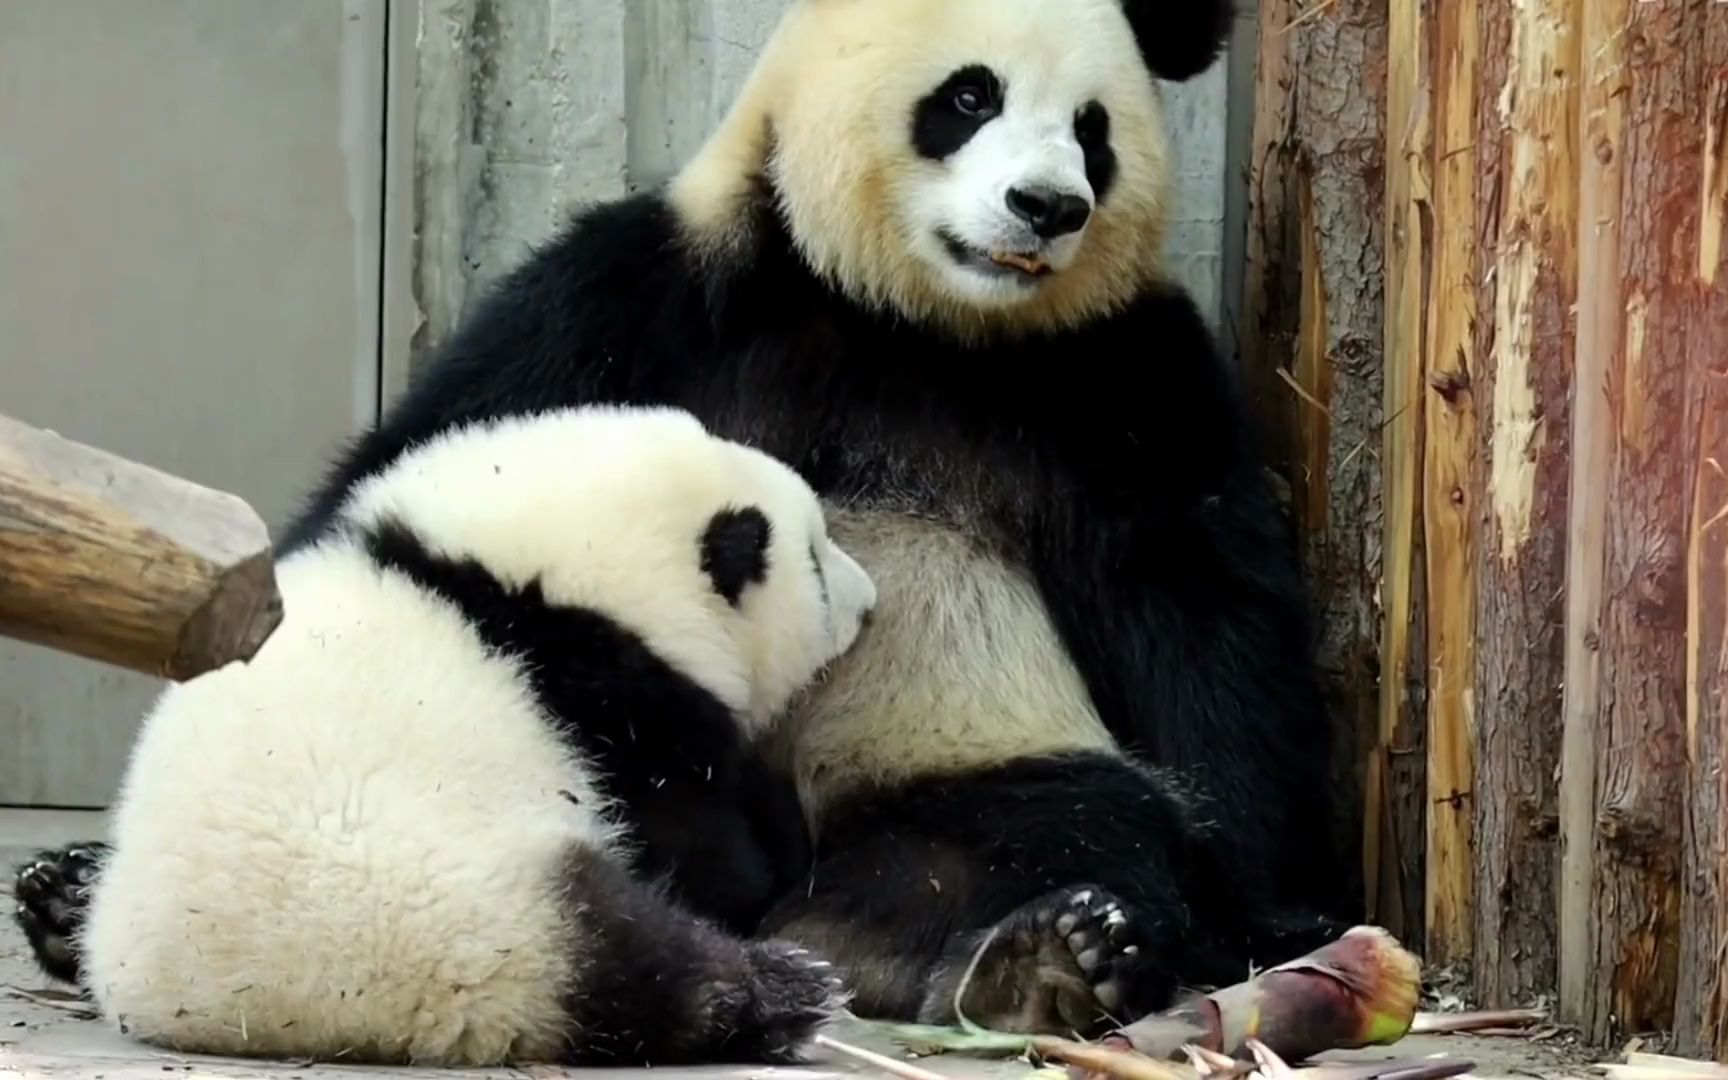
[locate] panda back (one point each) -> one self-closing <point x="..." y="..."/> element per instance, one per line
<point x="359" y="832"/>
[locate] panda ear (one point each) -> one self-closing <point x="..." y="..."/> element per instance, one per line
<point x="735" y="550"/>
<point x="1180" y="38"/>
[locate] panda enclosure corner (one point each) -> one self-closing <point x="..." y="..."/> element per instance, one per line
<point x="114" y="561"/>
<point x="1486" y="320"/>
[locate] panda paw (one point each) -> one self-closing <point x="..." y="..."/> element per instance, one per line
<point x="791" y="994"/>
<point x="1101" y="938"/>
<point x="1069" y="962"/>
<point x="52" y="892"/>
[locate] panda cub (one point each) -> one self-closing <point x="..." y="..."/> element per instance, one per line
<point x="411" y="829"/>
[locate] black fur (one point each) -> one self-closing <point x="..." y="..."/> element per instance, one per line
<point x="735" y="551"/>
<point x="1141" y="512"/>
<point x="661" y="988"/>
<point x="1092" y="129"/>
<point x="1180" y="38"/>
<point x="948" y="116"/>
<point x="671" y="752"/>
<point x="909" y="880"/>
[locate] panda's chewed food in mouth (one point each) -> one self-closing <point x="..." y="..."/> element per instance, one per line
<point x="1027" y="264"/>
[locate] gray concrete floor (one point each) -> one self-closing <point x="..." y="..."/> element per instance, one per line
<point x="44" y="1037"/>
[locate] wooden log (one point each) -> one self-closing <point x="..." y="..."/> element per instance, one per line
<point x="1701" y="1020"/>
<point x="1640" y="724"/>
<point x="1600" y="306"/>
<point x="1312" y="351"/>
<point x="114" y="561"/>
<point x="1449" y="497"/>
<point x="1395" y="830"/>
<point x="1526" y="137"/>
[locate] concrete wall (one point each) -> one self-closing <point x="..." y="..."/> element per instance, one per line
<point x="190" y="238"/>
<point x="528" y="107"/>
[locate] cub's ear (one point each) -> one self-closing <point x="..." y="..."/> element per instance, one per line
<point x="1180" y="38"/>
<point x="735" y="550"/>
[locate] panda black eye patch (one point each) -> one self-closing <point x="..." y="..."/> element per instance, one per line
<point x="1092" y="130"/>
<point x="948" y="116"/>
<point x="735" y="550"/>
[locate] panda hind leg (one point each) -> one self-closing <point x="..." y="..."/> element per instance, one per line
<point x="657" y="985"/>
<point x="1087" y="889"/>
<point x="52" y="890"/>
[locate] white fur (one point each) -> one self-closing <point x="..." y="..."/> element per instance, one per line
<point x="961" y="668"/>
<point x="353" y="841"/>
<point x="836" y="86"/>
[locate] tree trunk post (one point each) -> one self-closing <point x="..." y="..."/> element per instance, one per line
<point x="1313" y="343"/>
<point x="1701" y="1020"/>
<point x="1527" y="119"/>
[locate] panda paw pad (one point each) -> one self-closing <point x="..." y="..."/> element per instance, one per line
<point x="1100" y="935"/>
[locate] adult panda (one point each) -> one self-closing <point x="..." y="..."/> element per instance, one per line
<point x="431" y="822"/>
<point x="919" y="261"/>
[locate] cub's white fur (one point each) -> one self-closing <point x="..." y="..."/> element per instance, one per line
<point x="356" y="841"/>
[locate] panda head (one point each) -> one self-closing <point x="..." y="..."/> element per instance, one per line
<point x="715" y="555"/>
<point x="975" y="163"/>
<point x="794" y="599"/>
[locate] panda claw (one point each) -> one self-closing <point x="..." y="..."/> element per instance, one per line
<point x="51" y="892"/>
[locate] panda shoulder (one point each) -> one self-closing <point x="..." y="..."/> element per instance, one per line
<point x="626" y="251"/>
<point x="1163" y="333"/>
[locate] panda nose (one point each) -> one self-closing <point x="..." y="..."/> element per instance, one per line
<point x="1051" y="213"/>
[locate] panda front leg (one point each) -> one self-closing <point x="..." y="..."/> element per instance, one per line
<point x="52" y="893"/>
<point x="657" y="985"/>
<point x="1055" y="895"/>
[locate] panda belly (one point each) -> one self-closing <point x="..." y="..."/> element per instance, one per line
<point x="961" y="669"/>
<point x="313" y="855"/>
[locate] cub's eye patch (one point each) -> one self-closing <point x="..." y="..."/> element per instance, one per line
<point x="734" y="550"/>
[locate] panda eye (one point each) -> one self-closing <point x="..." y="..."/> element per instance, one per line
<point x="970" y="100"/>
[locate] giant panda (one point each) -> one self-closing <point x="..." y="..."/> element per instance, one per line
<point x="1084" y="743"/>
<point x="529" y="652"/>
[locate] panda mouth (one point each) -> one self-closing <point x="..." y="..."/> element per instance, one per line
<point x="1018" y="265"/>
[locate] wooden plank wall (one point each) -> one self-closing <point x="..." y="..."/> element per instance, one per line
<point x="1529" y="591"/>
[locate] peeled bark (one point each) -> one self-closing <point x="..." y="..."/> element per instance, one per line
<point x="1448" y="505"/>
<point x="1397" y="807"/>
